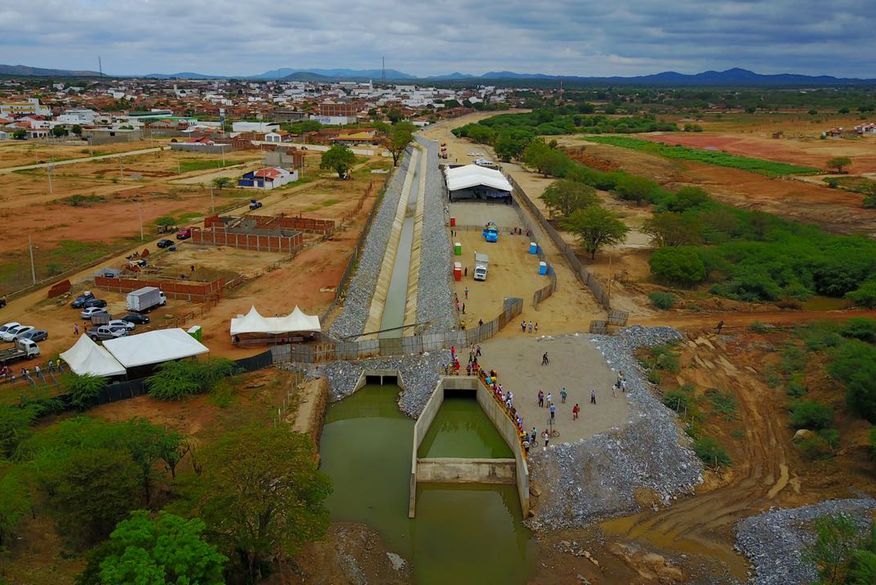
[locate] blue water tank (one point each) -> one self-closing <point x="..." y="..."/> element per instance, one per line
<point x="533" y="248"/>
<point x="542" y="268"/>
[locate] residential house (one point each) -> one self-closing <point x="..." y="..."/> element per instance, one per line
<point x="267" y="178"/>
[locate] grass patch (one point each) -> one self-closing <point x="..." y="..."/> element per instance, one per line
<point x="187" y="166"/>
<point x="723" y="403"/>
<point x="83" y="200"/>
<point x="329" y="202"/>
<point x="663" y="300"/>
<point x="711" y="453"/>
<point x="717" y="158"/>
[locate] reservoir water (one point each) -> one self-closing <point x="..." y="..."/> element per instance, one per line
<point x="462" y="534"/>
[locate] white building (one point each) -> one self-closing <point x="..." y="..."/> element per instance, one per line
<point x="260" y="127"/>
<point x="267" y="178"/>
<point x="30" y="107"/>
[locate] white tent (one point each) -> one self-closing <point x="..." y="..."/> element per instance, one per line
<point x="154" y="347"/>
<point x="469" y="176"/>
<point x="294" y="322"/>
<point x="88" y="358"/>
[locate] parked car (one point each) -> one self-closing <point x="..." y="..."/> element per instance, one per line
<point x="89" y="312"/>
<point x="79" y="301"/>
<point x="135" y="318"/>
<point x="254" y="204"/>
<point x="106" y="332"/>
<point x="120" y="323"/>
<point x="21" y="330"/>
<point x="94" y="303"/>
<point x="34" y="335"/>
<point x="165" y="243"/>
<point x="7" y="326"/>
<point x="10" y="333"/>
<point x="184" y="234"/>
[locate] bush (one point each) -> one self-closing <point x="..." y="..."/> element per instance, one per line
<point x="83" y="391"/>
<point x="860" y="328"/>
<point x="865" y="295"/>
<point x="814" y="448"/>
<point x="723" y="403"/>
<point x="679" y="400"/>
<point x="759" y="327"/>
<point x="681" y="266"/>
<point x="178" y="380"/>
<point x="808" y="414"/>
<point x="854" y="364"/>
<point x="796" y="387"/>
<point x="663" y="300"/>
<point x="711" y="452"/>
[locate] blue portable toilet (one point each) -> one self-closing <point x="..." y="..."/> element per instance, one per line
<point x="542" y="268"/>
<point x="533" y="248"/>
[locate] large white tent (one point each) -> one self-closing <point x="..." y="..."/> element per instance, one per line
<point x="88" y="358"/>
<point x="471" y="176"/>
<point x="254" y="323"/>
<point x="154" y="347"/>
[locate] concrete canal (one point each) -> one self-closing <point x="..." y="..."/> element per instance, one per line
<point x="462" y="533"/>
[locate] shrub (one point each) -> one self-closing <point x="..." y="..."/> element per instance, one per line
<point x="814" y="448"/>
<point x="759" y="327"/>
<point x="663" y="357"/>
<point x="723" y="403"/>
<point x="663" y="300"/>
<point x="681" y="266"/>
<point x="83" y="390"/>
<point x="808" y="414"/>
<point x="865" y="295"/>
<point x="796" y="387"/>
<point x="711" y="452"/>
<point x="678" y="400"/>
<point x="177" y="380"/>
<point x="860" y="328"/>
<point x="854" y="364"/>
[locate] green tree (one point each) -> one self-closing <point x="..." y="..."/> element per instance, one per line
<point x="854" y="364"/>
<point x="674" y="229"/>
<point x="398" y="138"/>
<point x="837" y="539"/>
<point x="339" y="159"/>
<point x="864" y="295"/>
<point x="838" y="163"/>
<point x="544" y="159"/>
<point x="563" y="197"/>
<point x="165" y="221"/>
<point x="89" y="491"/>
<point x="76" y="129"/>
<point x="14" y="502"/>
<point x="596" y="227"/>
<point x="162" y="550"/>
<point x="220" y="183"/>
<point x="180" y="379"/>
<point x="808" y="414"/>
<point x="395" y="115"/>
<point x="636" y="188"/>
<point x="19" y="134"/>
<point x="510" y="143"/>
<point x="678" y="266"/>
<point x="261" y="494"/>
<point x="14" y="427"/>
<point x="59" y="131"/>
<point x="83" y="390"/>
<point x="688" y="198"/>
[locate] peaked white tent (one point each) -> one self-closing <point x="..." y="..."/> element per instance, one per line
<point x="471" y="176"/>
<point x="154" y="347"/>
<point x="294" y="322"/>
<point x="88" y="358"/>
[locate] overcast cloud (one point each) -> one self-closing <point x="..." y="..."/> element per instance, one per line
<point x="574" y="37"/>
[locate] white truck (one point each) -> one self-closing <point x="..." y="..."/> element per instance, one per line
<point x="480" y="266"/>
<point x="24" y="349"/>
<point x="145" y="299"/>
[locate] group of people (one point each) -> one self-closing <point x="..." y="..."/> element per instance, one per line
<point x="506" y="398"/>
<point x="52" y="366"/>
<point x="472" y="368"/>
<point x="528" y="326"/>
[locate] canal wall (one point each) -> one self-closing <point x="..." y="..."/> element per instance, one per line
<point x="465" y="470"/>
<point x="411" y="297"/>
<point x="508" y="429"/>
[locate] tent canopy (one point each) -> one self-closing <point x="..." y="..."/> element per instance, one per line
<point x="88" y="358"/>
<point x="294" y="322"/>
<point x="474" y="176"/>
<point x="154" y="347"/>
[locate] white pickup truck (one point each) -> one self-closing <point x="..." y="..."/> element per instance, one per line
<point x="481" y="261"/>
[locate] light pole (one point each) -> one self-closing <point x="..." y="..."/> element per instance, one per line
<point x="140" y="214"/>
<point x="212" y="200"/>
<point x="32" y="267"/>
<point x="49" y="174"/>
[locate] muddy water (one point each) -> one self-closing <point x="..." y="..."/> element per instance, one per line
<point x="397" y="294"/>
<point x="461" y="534"/>
<point x="461" y="429"/>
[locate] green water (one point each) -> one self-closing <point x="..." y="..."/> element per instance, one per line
<point x="461" y="429"/>
<point x="461" y="535"/>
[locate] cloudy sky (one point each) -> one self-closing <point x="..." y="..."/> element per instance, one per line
<point x="575" y="37"/>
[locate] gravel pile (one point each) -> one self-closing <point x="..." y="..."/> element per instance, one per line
<point x="774" y="540"/>
<point x="419" y="376"/>
<point x="598" y="476"/>
<point x="434" y="298"/>
<point x="352" y="319"/>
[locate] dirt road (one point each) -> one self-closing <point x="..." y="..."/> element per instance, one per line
<point x="74" y="161"/>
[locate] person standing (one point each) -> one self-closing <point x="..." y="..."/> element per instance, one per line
<point x="575" y="410"/>
<point x="466" y="292"/>
<point x="553" y="409"/>
<point x="75" y="329"/>
<point x="540" y="398"/>
<point x="593" y="396"/>
<point x="550" y="398"/>
<point x="547" y="437"/>
<point x="545" y="361"/>
<point x="523" y="326"/>
<point x="563" y="395"/>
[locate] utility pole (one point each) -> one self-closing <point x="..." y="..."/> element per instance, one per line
<point x="49" y="175"/>
<point x="121" y="170"/>
<point x="212" y="200"/>
<point x="140" y="214"/>
<point x="32" y="267"/>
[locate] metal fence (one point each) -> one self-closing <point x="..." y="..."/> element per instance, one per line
<point x="581" y="272"/>
<point x="413" y="344"/>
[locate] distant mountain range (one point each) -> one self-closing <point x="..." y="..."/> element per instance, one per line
<point x="25" y="71"/>
<point x="730" y="77"/>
